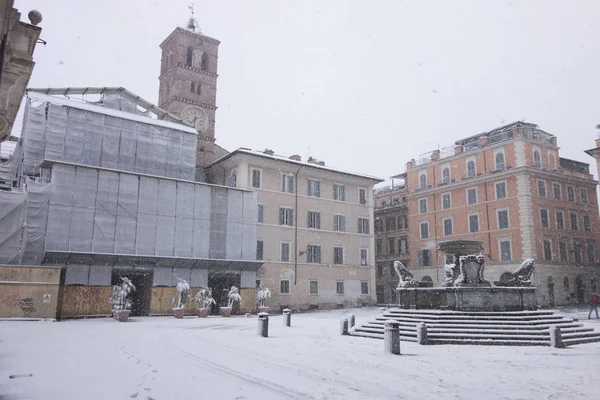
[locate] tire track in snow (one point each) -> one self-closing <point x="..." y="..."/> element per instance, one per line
<point x="206" y="362"/>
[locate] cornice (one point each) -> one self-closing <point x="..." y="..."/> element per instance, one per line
<point x="187" y="101"/>
<point x="197" y="70"/>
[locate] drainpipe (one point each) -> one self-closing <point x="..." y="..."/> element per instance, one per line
<point x="296" y="230"/>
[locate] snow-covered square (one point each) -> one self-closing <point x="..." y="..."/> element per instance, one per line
<point x="166" y="358"/>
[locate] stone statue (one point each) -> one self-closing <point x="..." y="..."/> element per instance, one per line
<point x="449" y="271"/>
<point x="522" y="276"/>
<point x="471" y="271"/>
<point x="404" y="275"/>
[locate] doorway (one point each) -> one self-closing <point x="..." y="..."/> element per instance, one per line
<point x="579" y="290"/>
<point x="380" y="294"/>
<point x="142" y="280"/>
<point x="551" y="300"/>
<point x="219" y="285"/>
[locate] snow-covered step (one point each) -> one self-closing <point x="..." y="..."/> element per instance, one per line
<point x="572" y="342"/>
<point x="488" y="342"/>
<point x="472" y="317"/>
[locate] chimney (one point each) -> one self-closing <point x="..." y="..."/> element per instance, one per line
<point x="410" y="164"/>
<point x="296" y="157"/>
<point x="269" y="152"/>
<point x="435" y="155"/>
<point x="312" y="160"/>
<point x="321" y="163"/>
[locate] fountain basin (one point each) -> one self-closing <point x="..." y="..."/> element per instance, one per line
<point x="465" y="298"/>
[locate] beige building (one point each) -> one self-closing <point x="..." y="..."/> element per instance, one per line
<point x="315" y="228"/>
<point x="510" y="189"/>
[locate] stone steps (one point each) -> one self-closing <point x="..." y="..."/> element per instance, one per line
<point x="518" y="328"/>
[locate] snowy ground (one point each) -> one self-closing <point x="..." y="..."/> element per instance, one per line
<point x="163" y="358"/>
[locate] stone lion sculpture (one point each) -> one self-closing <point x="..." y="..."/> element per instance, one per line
<point x="404" y="275"/>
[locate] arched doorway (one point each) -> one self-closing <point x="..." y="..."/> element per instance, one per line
<point x="551" y="300"/>
<point x="579" y="290"/>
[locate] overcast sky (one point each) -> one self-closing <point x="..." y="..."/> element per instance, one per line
<point x="365" y="85"/>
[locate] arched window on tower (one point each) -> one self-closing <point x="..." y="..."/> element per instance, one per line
<point x="199" y="89"/>
<point x="190" y="57"/>
<point x="537" y="159"/>
<point x="204" y="65"/>
<point x="471" y="169"/>
<point x="193" y="87"/>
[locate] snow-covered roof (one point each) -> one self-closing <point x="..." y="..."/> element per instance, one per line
<point x="38" y="94"/>
<point x="292" y="161"/>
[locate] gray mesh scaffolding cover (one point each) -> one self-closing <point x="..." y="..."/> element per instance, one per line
<point x="12" y="218"/>
<point x="80" y="136"/>
<point x="37" y="214"/>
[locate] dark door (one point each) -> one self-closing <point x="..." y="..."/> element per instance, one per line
<point x="142" y="280"/>
<point x="219" y="284"/>
<point x="551" y="294"/>
<point x="579" y="290"/>
<point x="379" y="290"/>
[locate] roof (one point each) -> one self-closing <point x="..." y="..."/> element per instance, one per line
<point x="190" y="33"/>
<point x="493" y="131"/>
<point x="50" y="96"/>
<point x="290" y="161"/>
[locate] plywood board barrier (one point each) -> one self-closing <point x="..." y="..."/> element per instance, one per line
<point x="26" y="300"/>
<point x="81" y="301"/>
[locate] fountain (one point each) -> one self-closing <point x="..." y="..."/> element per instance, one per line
<point x="465" y="288"/>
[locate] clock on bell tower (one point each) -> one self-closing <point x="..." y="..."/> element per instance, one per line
<point x="188" y="82"/>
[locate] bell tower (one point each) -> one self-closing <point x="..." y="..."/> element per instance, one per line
<point x="188" y="83"/>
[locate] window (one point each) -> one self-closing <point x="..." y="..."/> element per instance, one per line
<point x="339" y="223"/>
<point x="425" y="257"/>
<point x="364" y="287"/>
<point x="313" y="253"/>
<point x="286" y="216"/>
<point x="314" y="219"/>
<point x="474" y="223"/>
<point x="500" y="190"/>
<point x="379" y="270"/>
<point x="537" y="159"/>
<point x="285" y="251"/>
<point x="423" y="205"/>
<point x="541" y="188"/>
<point x="402" y="222"/>
<point x="390" y="224"/>
<point x="472" y="196"/>
<point x="362" y="196"/>
<point x="233" y="178"/>
<point x="577" y="251"/>
<point x="544" y="220"/>
<point x="189" y="57"/>
<point x="391" y="246"/>
<point x="573" y="218"/>
<point x="193" y="87"/>
<point x="204" y="65"/>
<point x="590" y="252"/>
<point x="363" y="225"/>
<point x="562" y="249"/>
<point x="379" y="247"/>
<point x="339" y="287"/>
<point x="364" y="257"/>
<point x="339" y="192"/>
<point x="259" y="250"/>
<point x="547" y="249"/>
<point x="287" y="183"/>
<point x="261" y="213"/>
<point x="446" y="175"/>
<point x="556" y="190"/>
<point x="503" y="219"/>
<point x="447" y="226"/>
<point x="199" y="89"/>
<point x="566" y="284"/>
<point x="499" y="159"/>
<point x="586" y="224"/>
<point x="471" y="169"/>
<point x="423" y="180"/>
<point x="560" y="220"/>
<point x="314" y="287"/>
<point x="338" y="255"/>
<point x="446" y="201"/>
<point x="256" y="178"/>
<point x="583" y="195"/>
<point x="505" y="250"/>
<point x="314" y="188"/>
<point x="570" y="193"/>
<point x="403" y="246"/>
<point x="424" y="230"/>
<point x="284" y="287"/>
